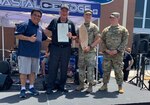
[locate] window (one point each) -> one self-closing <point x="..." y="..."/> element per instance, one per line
<point x="139" y="8"/>
<point x="142" y="14"/>
<point x="147" y="21"/>
<point x="148" y="9"/>
<point x="138" y="23"/>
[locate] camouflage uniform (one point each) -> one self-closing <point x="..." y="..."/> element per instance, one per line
<point x="114" y="38"/>
<point x="88" y="60"/>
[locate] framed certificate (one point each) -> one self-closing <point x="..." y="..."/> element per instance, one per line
<point x="62" y="31"/>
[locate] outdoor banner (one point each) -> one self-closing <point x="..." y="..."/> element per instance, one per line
<point x="101" y="1"/>
<point x="91" y="1"/>
<point x="50" y="6"/>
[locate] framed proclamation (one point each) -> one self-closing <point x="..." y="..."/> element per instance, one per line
<point x="62" y="31"/>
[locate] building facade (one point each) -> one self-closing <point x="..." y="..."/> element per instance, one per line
<point x="142" y="17"/>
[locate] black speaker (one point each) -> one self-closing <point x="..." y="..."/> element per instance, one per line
<point x="5" y="82"/>
<point x="148" y="54"/>
<point x="5" y="67"/>
<point x="140" y="43"/>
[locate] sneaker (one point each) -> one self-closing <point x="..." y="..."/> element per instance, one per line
<point x="23" y="93"/>
<point x="120" y="90"/>
<point x="103" y="88"/>
<point x="34" y="91"/>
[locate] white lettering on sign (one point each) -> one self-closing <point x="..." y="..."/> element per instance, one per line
<point x="47" y="5"/>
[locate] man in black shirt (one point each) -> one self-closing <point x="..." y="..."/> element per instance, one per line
<point x="60" y="49"/>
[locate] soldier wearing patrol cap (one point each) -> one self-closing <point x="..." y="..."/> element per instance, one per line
<point x="114" y="40"/>
<point x="89" y="37"/>
<point x="88" y="12"/>
<point x="115" y="15"/>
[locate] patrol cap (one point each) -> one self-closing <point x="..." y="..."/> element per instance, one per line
<point x="64" y="6"/>
<point x="88" y="12"/>
<point x="115" y="15"/>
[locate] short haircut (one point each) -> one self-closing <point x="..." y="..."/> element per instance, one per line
<point x="36" y="10"/>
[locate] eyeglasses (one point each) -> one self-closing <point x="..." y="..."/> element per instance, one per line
<point x="39" y="16"/>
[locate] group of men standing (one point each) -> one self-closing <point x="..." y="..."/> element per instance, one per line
<point x="114" y="39"/>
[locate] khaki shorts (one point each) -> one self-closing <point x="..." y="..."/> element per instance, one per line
<point x="28" y="65"/>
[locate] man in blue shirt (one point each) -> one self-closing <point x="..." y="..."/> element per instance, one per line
<point x="60" y="49"/>
<point x="30" y="36"/>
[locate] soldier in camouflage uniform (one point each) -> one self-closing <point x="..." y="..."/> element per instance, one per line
<point x="87" y="54"/>
<point x="114" y="40"/>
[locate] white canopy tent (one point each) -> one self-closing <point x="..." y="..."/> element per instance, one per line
<point x="13" y="12"/>
<point x="10" y="18"/>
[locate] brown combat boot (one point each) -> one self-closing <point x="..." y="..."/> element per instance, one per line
<point x="80" y="87"/>
<point x="103" y="88"/>
<point x="120" y="89"/>
<point x="94" y="83"/>
<point x="90" y="88"/>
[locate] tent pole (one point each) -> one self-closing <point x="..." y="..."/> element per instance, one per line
<point x="97" y="53"/>
<point x="3" y="55"/>
<point x="125" y="9"/>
